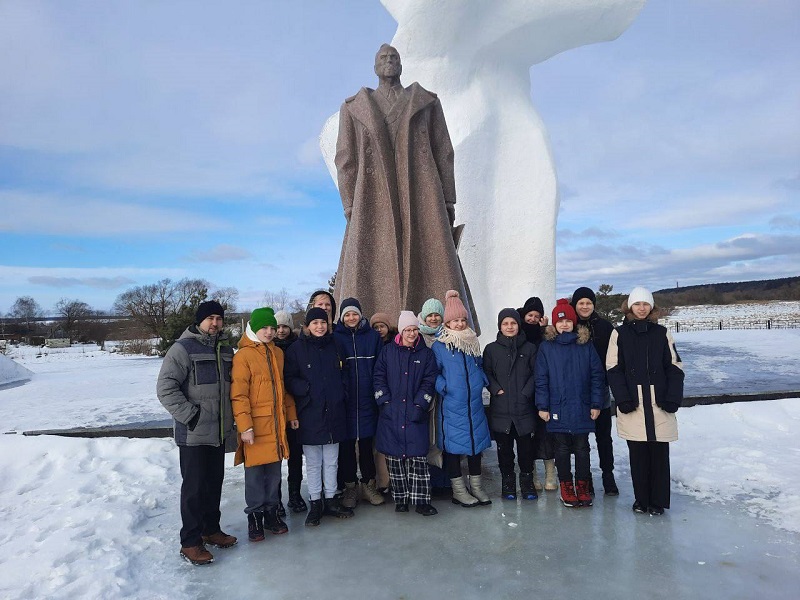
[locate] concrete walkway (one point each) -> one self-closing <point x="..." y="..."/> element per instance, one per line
<point x="523" y="549"/>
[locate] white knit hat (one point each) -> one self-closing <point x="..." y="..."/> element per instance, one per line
<point x="407" y="319"/>
<point x="284" y="318"/>
<point x="640" y="294"/>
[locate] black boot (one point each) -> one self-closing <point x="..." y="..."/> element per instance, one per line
<point x="255" y="526"/>
<point x="609" y="484"/>
<point x="273" y="522"/>
<point x="296" y="502"/>
<point x="526" y="487"/>
<point x="334" y="508"/>
<point x="315" y="513"/>
<point x="509" y="486"/>
<point x="426" y="510"/>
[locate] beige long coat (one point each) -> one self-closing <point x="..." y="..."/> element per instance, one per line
<point x="396" y="181"/>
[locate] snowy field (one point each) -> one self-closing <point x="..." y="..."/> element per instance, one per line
<point x="745" y="310"/>
<point x="98" y="518"/>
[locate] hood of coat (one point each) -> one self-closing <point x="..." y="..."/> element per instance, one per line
<point x="583" y="335"/>
<point x="511" y="342"/>
<point x="207" y="340"/>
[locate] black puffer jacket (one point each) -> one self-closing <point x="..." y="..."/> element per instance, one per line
<point x="509" y="364"/>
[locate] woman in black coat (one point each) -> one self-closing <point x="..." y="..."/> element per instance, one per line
<point x="509" y="364"/>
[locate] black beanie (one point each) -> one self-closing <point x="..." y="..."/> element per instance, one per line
<point x="508" y="313"/>
<point x="583" y="292"/>
<point x="206" y="309"/>
<point x="532" y="303"/>
<point x="349" y="304"/>
<point x="316" y="313"/>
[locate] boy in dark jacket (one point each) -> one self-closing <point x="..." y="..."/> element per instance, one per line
<point x="569" y="395"/>
<point x="405" y="380"/>
<point x="313" y="375"/>
<point x="359" y="346"/>
<point x="583" y="300"/>
<point x="509" y="363"/>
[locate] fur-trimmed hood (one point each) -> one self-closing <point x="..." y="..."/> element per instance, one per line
<point x="583" y="333"/>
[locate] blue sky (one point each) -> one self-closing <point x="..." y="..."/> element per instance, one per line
<point x="143" y="140"/>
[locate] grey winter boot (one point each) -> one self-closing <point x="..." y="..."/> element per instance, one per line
<point x="461" y="495"/>
<point x="350" y="495"/>
<point x="477" y="491"/>
<point x="550" y="478"/>
<point x="369" y="492"/>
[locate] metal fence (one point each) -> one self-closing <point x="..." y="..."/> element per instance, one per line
<point x="733" y="323"/>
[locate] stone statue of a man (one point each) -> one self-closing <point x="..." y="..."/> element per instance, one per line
<point x="394" y="164"/>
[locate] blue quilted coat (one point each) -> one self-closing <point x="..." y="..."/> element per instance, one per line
<point x="570" y="381"/>
<point x="461" y="422"/>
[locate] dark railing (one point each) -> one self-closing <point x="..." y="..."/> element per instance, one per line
<point x="733" y="323"/>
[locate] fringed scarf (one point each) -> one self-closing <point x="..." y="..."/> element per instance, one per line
<point x="466" y="341"/>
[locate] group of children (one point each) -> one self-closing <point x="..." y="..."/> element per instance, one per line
<point x="361" y="395"/>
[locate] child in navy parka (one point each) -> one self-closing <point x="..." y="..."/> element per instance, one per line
<point x="405" y="376"/>
<point x="359" y="346"/>
<point x="569" y="396"/>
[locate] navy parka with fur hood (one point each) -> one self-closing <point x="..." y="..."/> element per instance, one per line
<point x="570" y="380"/>
<point x="313" y="374"/>
<point x="359" y="347"/>
<point x="405" y="380"/>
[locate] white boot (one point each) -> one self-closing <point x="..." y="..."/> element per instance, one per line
<point x="461" y="495"/>
<point x="537" y="483"/>
<point x="550" y="479"/>
<point x="476" y="490"/>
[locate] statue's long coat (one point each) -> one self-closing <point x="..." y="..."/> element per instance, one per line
<point x="396" y="180"/>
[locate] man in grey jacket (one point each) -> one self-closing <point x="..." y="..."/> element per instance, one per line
<point x="194" y="386"/>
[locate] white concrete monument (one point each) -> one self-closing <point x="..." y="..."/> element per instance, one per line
<point x="476" y="56"/>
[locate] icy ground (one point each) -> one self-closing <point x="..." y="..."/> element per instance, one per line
<point x="99" y="518"/>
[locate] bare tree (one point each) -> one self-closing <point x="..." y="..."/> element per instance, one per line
<point x="227" y="297"/>
<point x="73" y="312"/>
<point x="26" y="309"/>
<point x="187" y="291"/>
<point x="278" y="300"/>
<point x="149" y="305"/>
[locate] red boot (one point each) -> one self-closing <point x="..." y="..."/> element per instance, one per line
<point x="568" y="496"/>
<point x="584" y="496"/>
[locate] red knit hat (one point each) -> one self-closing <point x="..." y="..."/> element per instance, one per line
<point x="564" y="310"/>
<point x="453" y="307"/>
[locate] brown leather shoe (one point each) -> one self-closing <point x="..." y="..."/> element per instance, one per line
<point x="197" y="555"/>
<point x="220" y="539"/>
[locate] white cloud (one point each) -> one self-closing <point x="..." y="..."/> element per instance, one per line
<point x="219" y="254"/>
<point x="25" y="212"/>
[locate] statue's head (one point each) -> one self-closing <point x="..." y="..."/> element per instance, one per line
<point x="387" y="62"/>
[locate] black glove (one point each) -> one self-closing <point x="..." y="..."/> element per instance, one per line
<point x="670" y="407"/>
<point x="627" y="407"/>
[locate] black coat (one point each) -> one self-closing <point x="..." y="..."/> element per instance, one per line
<point x="600" y="331"/>
<point x="313" y="374"/>
<point x="509" y="366"/>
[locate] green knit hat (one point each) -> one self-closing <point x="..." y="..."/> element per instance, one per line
<point x="263" y="317"/>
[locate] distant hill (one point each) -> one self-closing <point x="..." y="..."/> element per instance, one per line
<point x="787" y="288"/>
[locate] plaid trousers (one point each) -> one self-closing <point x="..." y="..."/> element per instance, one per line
<point x="411" y="480"/>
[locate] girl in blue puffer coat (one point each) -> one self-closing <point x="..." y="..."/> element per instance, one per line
<point x="570" y="383"/>
<point x="462" y="428"/>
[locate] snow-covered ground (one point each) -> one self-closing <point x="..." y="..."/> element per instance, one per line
<point x="754" y="310"/>
<point x="98" y="518"/>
